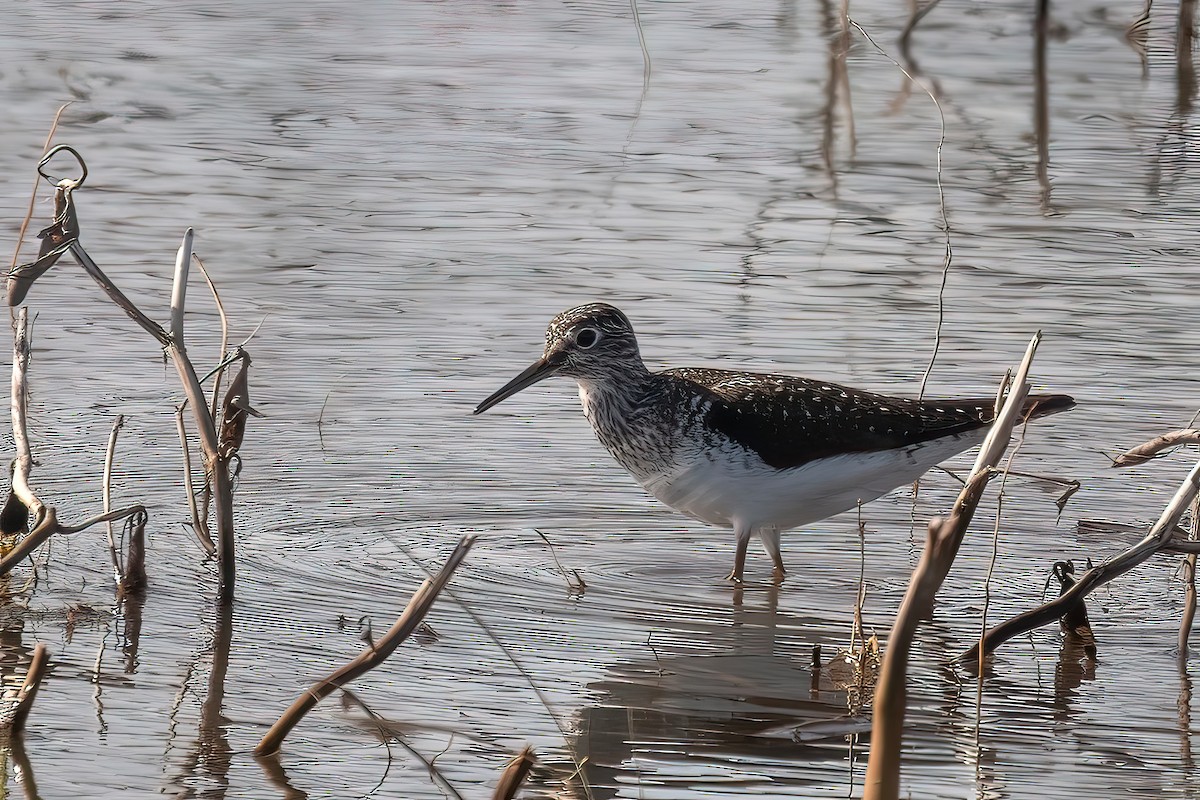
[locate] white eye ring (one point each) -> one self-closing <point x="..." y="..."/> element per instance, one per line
<point x="586" y="338"/>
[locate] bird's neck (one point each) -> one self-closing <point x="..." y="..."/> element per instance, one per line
<point x="614" y="393"/>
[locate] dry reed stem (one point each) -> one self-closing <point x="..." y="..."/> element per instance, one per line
<point x="948" y="250"/>
<point x="135" y="557"/>
<point x="942" y="541"/>
<point x="29" y="689"/>
<point x="514" y="775"/>
<point x="374" y="655"/>
<point x="1160" y="538"/>
<point x="1146" y="451"/>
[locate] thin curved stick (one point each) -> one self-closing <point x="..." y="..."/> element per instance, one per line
<point x="118" y="570"/>
<point x="199" y="525"/>
<point x="376" y="652"/>
<point x="224" y="334"/>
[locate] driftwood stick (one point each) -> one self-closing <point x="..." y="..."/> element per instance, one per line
<point x="1144" y="452"/>
<point x="514" y="775"/>
<point x="374" y="655"/>
<point x="118" y="571"/>
<point x="1160" y="537"/>
<point x="943" y="539"/>
<point x="29" y="689"/>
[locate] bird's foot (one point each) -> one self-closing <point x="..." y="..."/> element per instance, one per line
<point x="735" y="576"/>
<point x="778" y="574"/>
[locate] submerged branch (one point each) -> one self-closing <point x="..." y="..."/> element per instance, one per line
<point x="1163" y="536"/>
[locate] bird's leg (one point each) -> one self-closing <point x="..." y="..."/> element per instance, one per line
<point x="739" y="557"/>
<point x="770" y="540"/>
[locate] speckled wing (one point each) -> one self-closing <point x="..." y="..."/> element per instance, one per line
<point x="790" y="421"/>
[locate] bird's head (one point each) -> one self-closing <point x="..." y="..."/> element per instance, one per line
<point x="592" y="343"/>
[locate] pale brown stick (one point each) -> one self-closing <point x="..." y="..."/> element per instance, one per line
<point x="118" y="571"/>
<point x="376" y="652"/>
<point x="943" y="539"/>
<point x="29" y="689"/>
<point x="514" y="775"/>
<point x="1144" y="452"/>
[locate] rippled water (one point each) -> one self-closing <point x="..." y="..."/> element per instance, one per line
<point x="406" y="192"/>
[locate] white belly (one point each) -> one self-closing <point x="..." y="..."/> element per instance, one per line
<point x="723" y="488"/>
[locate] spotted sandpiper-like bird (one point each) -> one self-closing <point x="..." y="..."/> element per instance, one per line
<point x="758" y="453"/>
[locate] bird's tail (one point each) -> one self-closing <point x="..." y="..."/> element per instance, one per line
<point x="1043" y="405"/>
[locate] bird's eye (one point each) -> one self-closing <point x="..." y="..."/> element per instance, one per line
<point x="587" y="338"/>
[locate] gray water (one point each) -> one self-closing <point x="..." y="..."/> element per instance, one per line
<point x="403" y="194"/>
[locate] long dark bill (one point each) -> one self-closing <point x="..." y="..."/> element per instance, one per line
<point x="538" y="371"/>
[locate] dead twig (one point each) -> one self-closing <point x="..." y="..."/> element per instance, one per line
<point x="61" y="237"/>
<point x="375" y="653"/>
<point x="36" y="183"/>
<point x="199" y="523"/>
